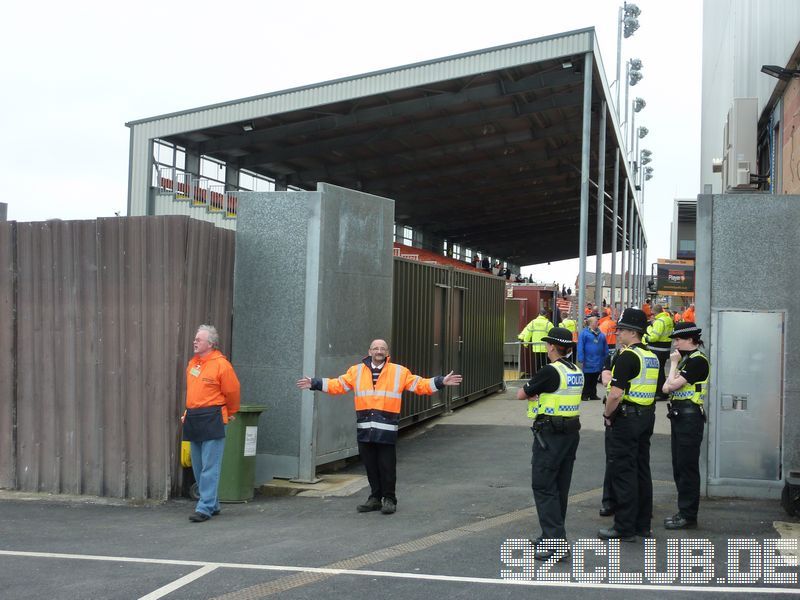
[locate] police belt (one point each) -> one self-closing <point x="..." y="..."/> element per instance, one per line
<point x="675" y="408"/>
<point x="556" y="424"/>
<point x="631" y="408"/>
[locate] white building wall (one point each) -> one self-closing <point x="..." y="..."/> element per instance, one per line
<point x="739" y="36"/>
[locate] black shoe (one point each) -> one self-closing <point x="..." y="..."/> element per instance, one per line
<point x="389" y="506"/>
<point x="548" y="554"/>
<point x="607" y="511"/>
<point x="198" y="517"/>
<point x="370" y="505"/>
<point x="680" y="522"/>
<point x="613" y="534"/>
<point x="595" y="398"/>
<point x="216" y="512"/>
<point x="644" y="533"/>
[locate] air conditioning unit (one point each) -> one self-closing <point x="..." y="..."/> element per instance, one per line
<point x="739" y="146"/>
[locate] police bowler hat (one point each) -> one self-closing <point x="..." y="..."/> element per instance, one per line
<point x="560" y="336"/>
<point x="633" y="319"/>
<point x="686" y="329"/>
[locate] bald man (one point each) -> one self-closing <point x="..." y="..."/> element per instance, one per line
<point x="378" y="386"/>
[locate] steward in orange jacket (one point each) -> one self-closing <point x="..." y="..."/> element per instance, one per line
<point x="212" y="397"/>
<point x="211" y="381"/>
<point x="688" y="314"/>
<point x="609" y="327"/>
<point x="378" y="387"/>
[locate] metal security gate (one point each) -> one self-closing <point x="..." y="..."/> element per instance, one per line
<point x="443" y="320"/>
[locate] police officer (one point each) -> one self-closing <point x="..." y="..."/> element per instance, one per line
<point x="533" y="334"/>
<point x="658" y="341"/>
<point x="609" y="502"/>
<point x="687" y="382"/>
<point x="630" y="415"/>
<point x="554" y="398"/>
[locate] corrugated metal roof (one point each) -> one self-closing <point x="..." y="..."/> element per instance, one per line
<point x="477" y="149"/>
<point x="377" y="82"/>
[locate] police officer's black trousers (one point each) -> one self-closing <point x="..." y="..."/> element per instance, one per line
<point x="687" y="435"/>
<point x="609" y="499"/>
<point x="662" y="355"/>
<point x="380" y="461"/>
<point x="629" y="458"/>
<point x="551" y="473"/>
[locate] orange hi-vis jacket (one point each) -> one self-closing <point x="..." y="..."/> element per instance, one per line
<point x="609" y="327"/>
<point x="378" y="406"/>
<point x="211" y="381"/>
<point x="688" y="315"/>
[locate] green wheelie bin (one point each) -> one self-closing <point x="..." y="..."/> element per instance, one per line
<point x="237" y="479"/>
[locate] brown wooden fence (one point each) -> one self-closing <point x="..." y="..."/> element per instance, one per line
<point x="96" y="323"/>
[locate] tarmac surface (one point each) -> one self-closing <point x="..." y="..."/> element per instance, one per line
<point x="464" y="496"/>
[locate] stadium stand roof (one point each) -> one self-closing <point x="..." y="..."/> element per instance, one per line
<point x="483" y="149"/>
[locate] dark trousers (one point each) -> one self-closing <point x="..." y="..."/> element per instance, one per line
<point x="380" y="461"/>
<point x="687" y="435"/>
<point x="590" y="385"/>
<point x="551" y="474"/>
<point x="609" y="499"/>
<point x="629" y="458"/>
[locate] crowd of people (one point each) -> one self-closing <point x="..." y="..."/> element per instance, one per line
<point x="627" y="355"/>
<point x="643" y="356"/>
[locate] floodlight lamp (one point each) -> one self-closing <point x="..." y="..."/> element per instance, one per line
<point x="636" y="64"/>
<point x="649" y="171"/>
<point x="646" y="159"/>
<point x="646" y="152"/>
<point x="634" y="77"/>
<point x="631" y="10"/>
<point x="648" y="176"/>
<point x="566" y="64"/>
<point x="629" y="25"/>
<point x="248" y="127"/>
<point x="643" y="131"/>
<point x="638" y="104"/>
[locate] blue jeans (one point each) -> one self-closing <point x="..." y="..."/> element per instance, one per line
<point x="206" y="464"/>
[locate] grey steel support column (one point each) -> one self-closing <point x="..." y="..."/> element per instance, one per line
<point x="644" y="267"/>
<point x="584" y="214"/>
<point x="623" y="287"/>
<point x="614" y="226"/>
<point x="631" y="239"/>
<point x="192" y="163"/>
<point x="635" y="263"/>
<point x="280" y="185"/>
<point x="637" y="254"/>
<point x="232" y="173"/>
<point x="639" y="262"/>
<point x="601" y="204"/>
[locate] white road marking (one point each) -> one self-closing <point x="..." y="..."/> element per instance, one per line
<point x="178" y="583"/>
<point x="400" y="575"/>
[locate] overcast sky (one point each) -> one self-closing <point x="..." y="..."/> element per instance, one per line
<point x="73" y="73"/>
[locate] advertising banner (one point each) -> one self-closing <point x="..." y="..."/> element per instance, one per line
<point x="675" y="277"/>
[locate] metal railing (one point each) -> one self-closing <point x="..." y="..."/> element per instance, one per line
<point x="512" y="354"/>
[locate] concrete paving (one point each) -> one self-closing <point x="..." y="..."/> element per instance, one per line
<point x="464" y="495"/>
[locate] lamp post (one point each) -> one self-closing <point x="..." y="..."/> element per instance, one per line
<point x="627" y="24"/>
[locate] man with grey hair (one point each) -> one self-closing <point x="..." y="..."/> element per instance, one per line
<point x="212" y="398"/>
